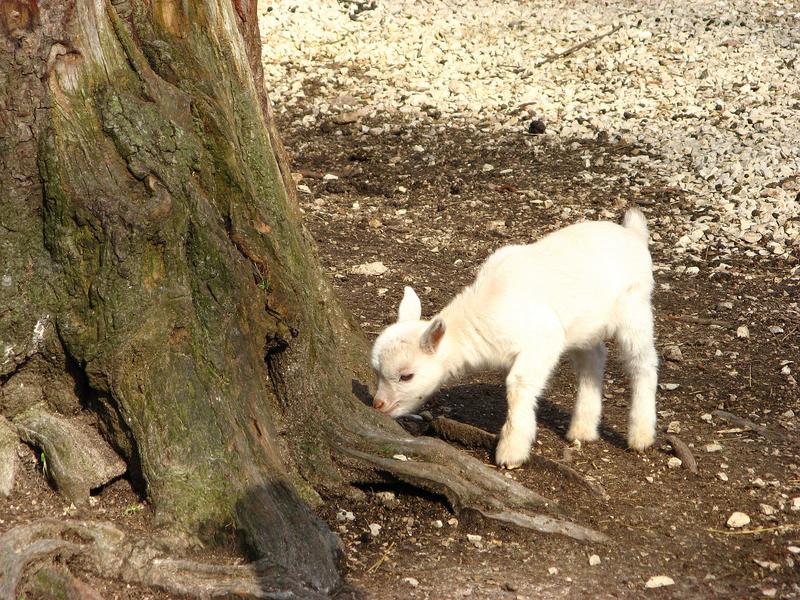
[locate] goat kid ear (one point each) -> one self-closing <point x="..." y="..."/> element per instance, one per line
<point x="410" y="308"/>
<point x="429" y="342"/>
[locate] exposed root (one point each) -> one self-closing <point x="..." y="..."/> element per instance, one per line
<point x="471" y="437"/>
<point x="682" y="451"/>
<point x="470" y="486"/>
<point x="108" y="549"/>
<point x="462" y="433"/>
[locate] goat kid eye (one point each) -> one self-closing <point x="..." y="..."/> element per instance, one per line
<point x="406" y="377"/>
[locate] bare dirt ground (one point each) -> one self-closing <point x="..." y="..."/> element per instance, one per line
<point x="421" y="201"/>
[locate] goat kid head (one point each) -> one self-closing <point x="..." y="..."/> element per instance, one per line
<point x="407" y="360"/>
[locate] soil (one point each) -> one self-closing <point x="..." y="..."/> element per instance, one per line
<point x="421" y="201"/>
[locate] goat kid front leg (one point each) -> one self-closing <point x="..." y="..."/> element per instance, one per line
<point x="525" y="381"/>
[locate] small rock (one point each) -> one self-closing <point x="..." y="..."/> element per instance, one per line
<point x="303" y="188"/>
<point x="510" y="587"/>
<point x="658" y="581"/>
<point x="738" y="520"/>
<point x="487" y="167"/>
<point x="453" y="522"/>
<point x="373" y="268"/>
<point x="475" y="540"/>
<point x="345" y="515"/>
<point x="438" y="524"/>
<point x="375" y="529"/>
<point x="674" y="462"/>
<point x="793" y="549"/>
<point x="786" y="370"/>
<point x="795" y="503"/>
<point x="789" y="414"/>
<point x="674" y="427"/>
<point x="649" y="479"/>
<point x="713" y="447"/>
<point x="775" y="329"/>
<point x="722" y="476"/>
<point x="706" y="417"/>
<point x="767" y="564"/>
<point x="670" y="387"/>
<point x="330" y="177"/>
<point x="387" y="498"/>
<point x="673" y="353"/>
<point x="537" y="127"/>
<point x="742" y="332"/>
<point x="769" y="592"/>
<point x="594" y="560"/>
<point x="552" y="571"/>
<point x="400" y="457"/>
<point x="411" y="581"/>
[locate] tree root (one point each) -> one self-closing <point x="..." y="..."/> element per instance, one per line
<point x="108" y="549"/>
<point x="470" y="486"/>
<point x="472" y="437"/>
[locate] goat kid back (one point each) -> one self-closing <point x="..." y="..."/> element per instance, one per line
<point x="529" y="304"/>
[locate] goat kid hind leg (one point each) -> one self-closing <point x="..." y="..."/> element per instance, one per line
<point x="637" y="346"/>
<point x="525" y="381"/>
<point x="589" y="365"/>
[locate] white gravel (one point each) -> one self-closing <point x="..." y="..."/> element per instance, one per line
<point x="712" y="87"/>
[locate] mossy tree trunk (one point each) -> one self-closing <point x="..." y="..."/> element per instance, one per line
<point x="149" y="238"/>
<point x="155" y="271"/>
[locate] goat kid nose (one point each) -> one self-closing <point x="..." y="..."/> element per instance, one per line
<point x="379" y="404"/>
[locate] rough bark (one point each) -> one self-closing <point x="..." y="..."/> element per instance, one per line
<point x="156" y="275"/>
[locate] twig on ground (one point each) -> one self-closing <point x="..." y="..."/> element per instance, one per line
<point x="745" y="424"/>
<point x="382" y="559"/>
<point x="693" y="319"/>
<point x="682" y="451"/>
<point x="576" y="47"/>
<point x="787" y="527"/>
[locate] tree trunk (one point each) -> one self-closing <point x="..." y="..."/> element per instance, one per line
<point x="156" y="273"/>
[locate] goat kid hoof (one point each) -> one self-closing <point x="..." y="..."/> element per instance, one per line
<point x="641" y="440"/>
<point x="511" y="456"/>
<point x="582" y="434"/>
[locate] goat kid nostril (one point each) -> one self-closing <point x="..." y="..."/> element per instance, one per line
<point x="379" y="404"/>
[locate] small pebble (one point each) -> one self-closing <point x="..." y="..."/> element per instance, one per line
<point x="537" y="127"/>
<point x="658" y="581"/>
<point x="375" y="529"/>
<point x="674" y="462"/>
<point x="738" y="520"/>
<point x="552" y="571"/>
<point x="673" y="353"/>
<point x="411" y="581"/>
<point x="713" y="447"/>
<point x="722" y="476"/>
<point x="742" y="332"/>
<point x="438" y="524"/>
<point x="594" y="560"/>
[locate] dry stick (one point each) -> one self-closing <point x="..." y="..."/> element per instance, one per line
<point x="694" y="320"/>
<point x="781" y="528"/>
<point x="382" y="559"/>
<point x="745" y="424"/>
<point x="471" y="436"/>
<point x="576" y="47"/>
<point x="682" y="451"/>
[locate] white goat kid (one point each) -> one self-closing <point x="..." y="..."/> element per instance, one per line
<point x="568" y="292"/>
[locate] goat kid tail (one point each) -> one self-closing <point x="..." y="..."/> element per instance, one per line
<point x="635" y="221"/>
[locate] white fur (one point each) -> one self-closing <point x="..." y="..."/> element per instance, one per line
<point x="528" y="305"/>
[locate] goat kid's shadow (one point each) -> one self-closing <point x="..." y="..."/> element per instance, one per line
<point x="484" y="405"/>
